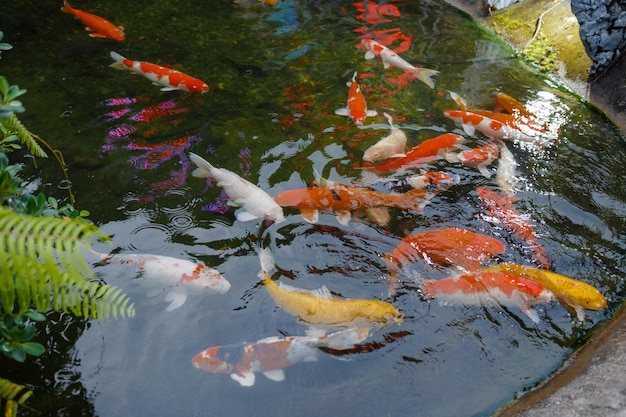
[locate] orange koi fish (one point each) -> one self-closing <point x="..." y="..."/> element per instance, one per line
<point x="450" y="246"/>
<point x="357" y="105"/>
<point x="479" y="158"/>
<point x="345" y="199"/>
<point x="168" y="78"/>
<point x="96" y="25"/>
<point x="477" y="288"/>
<point x="501" y="208"/>
<point x="573" y="293"/>
<point x="427" y="151"/>
<point x="390" y="58"/>
<point x="270" y="356"/>
<point x="512" y="106"/>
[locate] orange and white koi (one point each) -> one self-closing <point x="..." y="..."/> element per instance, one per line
<point x="167" y="78"/>
<point x="390" y="58"/>
<point x="391" y="146"/>
<point x="173" y="272"/>
<point x="573" y="293"/>
<point x="479" y="158"/>
<point x="97" y="26"/>
<point x="254" y="202"/>
<point x="271" y="355"/>
<point x="356" y="108"/>
<point x="427" y="151"/>
<point x="478" y="288"/>
<point x="449" y="246"/>
<point x="432" y="181"/>
<point x="344" y="199"/>
<point x="501" y="208"/>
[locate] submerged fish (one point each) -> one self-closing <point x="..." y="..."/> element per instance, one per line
<point x="573" y="293"/>
<point x="356" y="108"/>
<point x="479" y="158"/>
<point x="97" y="26"/>
<point x="254" y="202"/>
<point x="432" y="181"/>
<point x="478" y="288"/>
<point x="344" y="199"/>
<point x="167" y="78"/>
<point x="271" y="355"/>
<point x="501" y="208"/>
<point x="319" y="307"/>
<point x="505" y="173"/>
<point x="174" y="272"/>
<point x="391" y="146"/>
<point x="450" y="246"/>
<point x="390" y="58"/>
<point x="425" y="152"/>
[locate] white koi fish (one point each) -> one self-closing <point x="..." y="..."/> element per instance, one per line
<point x="505" y="174"/>
<point x="254" y="202"/>
<point x="390" y="58"/>
<point x="391" y="146"/>
<point x="272" y="354"/>
<point x="174" y="272"/>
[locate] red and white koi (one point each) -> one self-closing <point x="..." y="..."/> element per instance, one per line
<point x="356" y="108"/>
<point x="167" y="78"/>
<point x="479" y="158"/>
<point x="97" y="26"/>
<point x="449" y="246"/>
<point x="270" y="356"/>
<point x="174" y="272"/>
<point x="391" y="146"/>
<point x="482" y="287"/>
<point x="501" y="208"/>
<point x="390" y="58"/>
<point x="254" y="202"/>
<point x="427" y="151"/>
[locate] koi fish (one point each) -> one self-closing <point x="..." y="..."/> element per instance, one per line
<point x="432" y="181"/>
<point x="319" y="307"/>
<point x="390" y="58"/>
<point x="254" y="202"/>
<point x="477" y="288"/>
<point x="448" y="246"/>
<point x="97" y="26"/>
<point x="270" y="356"/>
<point x="391" y="146"/>
<point x="357" y="105"/>
<point x="512" y="106"/>
<point x="342" y="200"/>
<point x="573" y="293"/>
<point x="479" y="158"/>
<point x="501" y="208"/>
<point x="427" y="151"/>
<point x="505" y="173"/>
<point x="168" y="78"/>
<point x="173" y="272"/>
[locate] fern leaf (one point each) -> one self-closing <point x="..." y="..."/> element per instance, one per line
<point x="12" y="125"/>
<point x="14" y="394"/>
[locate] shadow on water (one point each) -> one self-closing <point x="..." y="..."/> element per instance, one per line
<point x="277" y="74"/>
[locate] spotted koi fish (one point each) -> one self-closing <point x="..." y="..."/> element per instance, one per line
<point x="97" y="26"/>
<point x="167" y="78"/>
<point x="479" y="158"/>
<point x="356" y="108"/>
<point x="481" y="287"/>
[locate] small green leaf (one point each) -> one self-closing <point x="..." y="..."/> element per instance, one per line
<point x="35" y="315"/>
<point x="33" y="348"/>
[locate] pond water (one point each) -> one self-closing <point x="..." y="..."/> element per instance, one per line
<point x="277" y="73"/>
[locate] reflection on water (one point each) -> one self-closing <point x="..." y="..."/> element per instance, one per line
<point x="277" y="75"/>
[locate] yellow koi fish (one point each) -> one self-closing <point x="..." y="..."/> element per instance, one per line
<point x="319" y="307"/>
<point x="574" y="293"/>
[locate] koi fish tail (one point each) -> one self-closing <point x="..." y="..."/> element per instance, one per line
<point x="66" y="7"/>
<point x="204" y="167"/>
<point x="426" y="75"/>
<point x="268" y="265"/>
<point x="119" y="61"/>
<point x="414" y="200"/>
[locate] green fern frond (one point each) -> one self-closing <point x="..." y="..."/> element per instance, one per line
<point x="43" y="265"/>
<point x="14" y="394"/>
<point x="12" y="126"/>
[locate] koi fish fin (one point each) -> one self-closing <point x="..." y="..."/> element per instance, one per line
<point x="371" y="113"/>
<point x="321" y="292"/>
<point x="580" y="312"/>
<point x="532" y="314"/>
<point x="370" y="55"/>
<point x="458" y="100"/>
<point x="343" y="217"/>
<point x="342" y="111"/>
<point x="386" y="64"/>
<point x="452" y="157"/>
<point x="203" y="169"/>
<point x="176" y="299"/>
<point x="426" y="75"/>
<point x="310" y="215"/>
<point x="166" y="88"/>
<point x="469" y="129"/>
<point x="245" y="379"/>
<point x="277" y="375"/>
<point x="95" y="34"/>
<point x="397" y="155"/>
<point x="244" y="216"/>
<point x="119" y="60"/>
<point x="483" y="170"/>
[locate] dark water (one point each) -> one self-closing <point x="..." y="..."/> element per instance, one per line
<point x="277" y="73"/>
